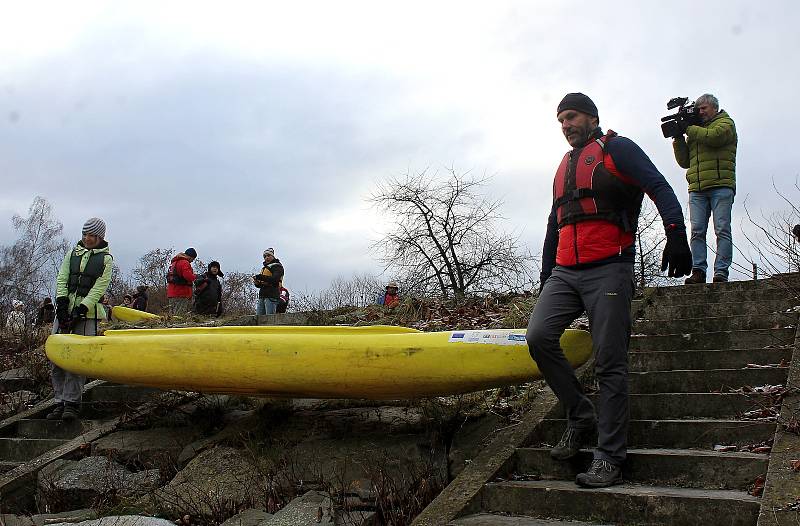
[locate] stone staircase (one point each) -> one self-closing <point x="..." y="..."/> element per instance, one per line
<point x="700" y="430"/>
<point x="28" y="440"/>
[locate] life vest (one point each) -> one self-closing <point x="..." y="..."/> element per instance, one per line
<point x="80" y="283"/>
<point x="596" y="209"/>
<point x="174" y="277"/>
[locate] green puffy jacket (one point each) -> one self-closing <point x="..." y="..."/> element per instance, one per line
<point x="99" y="287"/>
<point x="709" y="153"/>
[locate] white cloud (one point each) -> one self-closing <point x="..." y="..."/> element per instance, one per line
<point x="231" y="126"/>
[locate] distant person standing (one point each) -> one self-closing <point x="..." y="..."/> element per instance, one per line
<point x="82" y="280"/>
<point x="46" y="313"/>
<point x="283" y="299"/>
<point x="390" y="298"/>
<point x="127" y="301"/>
<point x="106" y="303"/>
<point x="208" y="291"/>
<point x="268" y="281"/>
<point x="179" y="281"/>
<point x="709" y="154"/>
<point x="15" y="322"/>
<point x="140" y="298"/>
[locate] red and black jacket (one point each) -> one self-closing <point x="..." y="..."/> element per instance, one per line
<point x="597" y="207"/>
<point x="597" y="196"/>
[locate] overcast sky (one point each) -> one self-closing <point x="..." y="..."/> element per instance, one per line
<point x="233" y="127"/>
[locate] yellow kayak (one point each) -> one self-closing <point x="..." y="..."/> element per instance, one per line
<point x="376" y="362"/>
<point x="131" y="315"/>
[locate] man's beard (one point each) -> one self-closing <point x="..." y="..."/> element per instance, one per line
<point x="578" y="135"/>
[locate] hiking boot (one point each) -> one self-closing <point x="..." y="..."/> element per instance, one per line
<point x="601" y="474"/>
<point x="571" y="442"/>
<point x="56" y="413"/>
<point x="698" y="276"/>
<point x="71" y="410"/>
<point x="720" y="279"/>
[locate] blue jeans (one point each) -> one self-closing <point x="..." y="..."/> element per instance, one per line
<point x="701" y="205"/>
<point x="266" y="306"/>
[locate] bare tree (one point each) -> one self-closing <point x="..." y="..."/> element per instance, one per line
<point x="359" y="291"/>
<point x="28" y="267"/>
<point x="773" y="247"/>
<point x="118" y="286"/>
<point x="238" y="293"/>
<point x="444" y="236"/>
<point x="151" y="271"/>
<point x="650" y="241"/>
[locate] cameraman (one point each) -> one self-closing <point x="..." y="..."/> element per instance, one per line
<point x="709" y="154"/>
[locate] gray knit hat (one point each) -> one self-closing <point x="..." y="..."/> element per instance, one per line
<point x="94" y="226"/>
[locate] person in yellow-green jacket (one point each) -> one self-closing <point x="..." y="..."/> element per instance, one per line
<point x="708" y="152"/>
<point x="82" y="280"/>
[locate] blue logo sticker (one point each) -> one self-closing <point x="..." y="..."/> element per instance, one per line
<point x="458" y="335"/>
<point x="516" y="337"/>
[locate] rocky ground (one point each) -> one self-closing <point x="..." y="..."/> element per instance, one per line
<point x="234" y="460"/>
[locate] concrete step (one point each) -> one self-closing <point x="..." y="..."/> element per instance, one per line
<point x="682" y="406"/>
<point x="624" y="504"/>
<point x="15" y="380"/>
<point x="781" y="282"/>
<point x="26" y="448"/>
<point x="8" y="465"/>
<point x="723" y="323"/>
<point x="719" y="295"/>
<point x="494" y="519"/>
<point x="686" y="468"/>
<point x="710" y="381"/>
<point x="713" y="340"/>
<point x="658" y="311"/>
<point x="119" y="393"/>
<point x="681" y="434"/>
<point x="42" y="428"/>
<point x="706" y="358"/>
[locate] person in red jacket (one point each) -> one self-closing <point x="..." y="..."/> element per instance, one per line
<point x="179" y="281"/>
<point x="587" y="265"/>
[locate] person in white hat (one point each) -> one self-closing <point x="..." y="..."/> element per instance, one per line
<point x="15" y="322"/>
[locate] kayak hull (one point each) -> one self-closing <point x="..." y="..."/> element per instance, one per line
<point x="132" y="315"/>
<point x="378" y="362"/>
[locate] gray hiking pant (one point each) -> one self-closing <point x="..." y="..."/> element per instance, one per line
<point x="604" y="292"/>
<point x="179" y="306"/>
<point x="67" y="386"/>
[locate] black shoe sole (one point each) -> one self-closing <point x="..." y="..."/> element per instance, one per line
<point x="599" y="484"/>
<point x="561" y="458"/>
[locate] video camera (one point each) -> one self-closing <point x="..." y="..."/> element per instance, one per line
<point x="687" y="115"/>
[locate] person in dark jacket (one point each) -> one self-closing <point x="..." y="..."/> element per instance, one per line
<point x="140" y="298"/>
<point x="268" y="283"/>
<point x="46" y="313"/>
<point x="208" y="291"/>
<point x="587" y="264"/>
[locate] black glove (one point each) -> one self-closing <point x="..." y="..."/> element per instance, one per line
<point x="79" y="312"/>
<point x="677" y="255"/>
<point x="62" y="305"/>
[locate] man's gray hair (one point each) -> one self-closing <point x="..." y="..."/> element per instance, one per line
<point x="708" y="98"/>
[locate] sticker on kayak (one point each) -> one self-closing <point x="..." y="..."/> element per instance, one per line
<point x="495" y="337"/>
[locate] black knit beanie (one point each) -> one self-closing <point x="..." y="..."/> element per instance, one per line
<point x="579" y="102"/>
